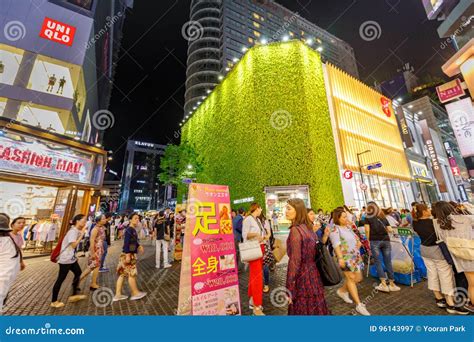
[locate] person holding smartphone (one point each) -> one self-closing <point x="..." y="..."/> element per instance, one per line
<point x="346" y="246"/>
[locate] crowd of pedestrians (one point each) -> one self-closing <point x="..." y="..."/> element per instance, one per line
<point x="354" y="239"/>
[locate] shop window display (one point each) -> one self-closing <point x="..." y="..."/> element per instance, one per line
<point x="55" y="121"/>
<point x="10" y="59"/>
<point x="54" y="77"/>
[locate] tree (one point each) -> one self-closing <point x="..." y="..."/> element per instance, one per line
<point x="178" y="163"/>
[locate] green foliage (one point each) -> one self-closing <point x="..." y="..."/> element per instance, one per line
<point x="268" y="124"/>
<point x="174" y="164"/>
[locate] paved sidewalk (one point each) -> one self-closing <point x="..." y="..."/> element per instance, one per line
<point x="31" y="294"/>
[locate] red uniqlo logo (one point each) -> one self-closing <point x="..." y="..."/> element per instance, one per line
<point x="57" y="31"/>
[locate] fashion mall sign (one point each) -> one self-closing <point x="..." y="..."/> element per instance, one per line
<point x="38" y="158"/>
<point x="57" y="31"/>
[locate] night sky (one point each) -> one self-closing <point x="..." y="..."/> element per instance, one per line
<point x="148" y="96"/>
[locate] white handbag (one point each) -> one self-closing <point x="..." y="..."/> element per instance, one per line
<point x="250" y="251"/>
<point x="461" y="248"/>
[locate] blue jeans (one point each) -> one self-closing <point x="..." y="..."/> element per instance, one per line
<point x="266" y="275"/>
<point x="102" y="260"/>
<point x="385" y="248"/>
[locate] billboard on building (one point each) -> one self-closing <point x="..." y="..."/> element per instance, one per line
<point x="364" y="120"/>
<point x="404" y="130"/>
<point x="461" y="115"/>
<point x="433" y="155"/>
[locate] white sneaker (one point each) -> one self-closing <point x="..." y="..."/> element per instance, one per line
<point x="344" y="296"/>
<point x="140" y="295"/>
<point x="394" y="288"/>
<point x="121" y="297"/>
<point x="360" y="308"/>
<point x="382" y="287"/>
<point x="157" y="266"/>
<point x="167" y="266"/>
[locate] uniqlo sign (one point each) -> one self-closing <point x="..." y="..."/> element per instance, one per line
<point x="57" y="31"/>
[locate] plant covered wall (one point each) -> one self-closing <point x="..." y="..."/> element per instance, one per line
<point x="268" y="124"/>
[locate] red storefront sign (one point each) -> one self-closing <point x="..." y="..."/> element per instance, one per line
<point x="450" y="91"/>
<point x="386" y="106"/>
<point x="347" y="174"/>
<point x="57" y="31"/>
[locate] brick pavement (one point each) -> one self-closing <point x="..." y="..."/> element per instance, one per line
<point x="31" y="293"/>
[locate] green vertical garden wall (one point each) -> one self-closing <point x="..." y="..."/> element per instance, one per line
<point x="268" y="124"/>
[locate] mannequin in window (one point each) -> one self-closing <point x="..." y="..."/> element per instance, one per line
<point x="51" y="82"/>
<point x="62" y="82"/>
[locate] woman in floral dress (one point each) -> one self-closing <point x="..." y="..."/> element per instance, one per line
<point x="96" y="251"/>
<point x="347" y="248"/>
<point x="306" y="289"/>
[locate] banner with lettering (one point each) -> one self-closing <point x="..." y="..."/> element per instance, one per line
<point x="213" y="265"/>
<point x="179" y="224"/>
<point x="39" y="158"/>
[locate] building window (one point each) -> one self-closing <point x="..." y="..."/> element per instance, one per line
<point x="250" y="40"/>
<point x="256" y="33"/>
<point x="292" y="34"/>
<point x="256" y="16"/>
<point x="256" y="24"/>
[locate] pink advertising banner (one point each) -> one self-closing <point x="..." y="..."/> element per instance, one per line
<point x="214" y="275"/>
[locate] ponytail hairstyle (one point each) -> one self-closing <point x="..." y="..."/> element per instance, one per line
<point x="76" y="218"/>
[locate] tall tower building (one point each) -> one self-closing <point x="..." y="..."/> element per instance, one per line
<point x="224" y="29"/>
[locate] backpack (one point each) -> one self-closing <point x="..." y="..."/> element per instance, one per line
<point x="57" y="251"/>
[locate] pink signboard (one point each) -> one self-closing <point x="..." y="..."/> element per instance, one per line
<point x="214" y="275"/>
<point x="450" y="91"/>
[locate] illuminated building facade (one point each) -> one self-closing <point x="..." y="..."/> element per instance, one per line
<point x="140" y="187"/>
<point x="224" y="29"/>
<point x="54" y="56"/>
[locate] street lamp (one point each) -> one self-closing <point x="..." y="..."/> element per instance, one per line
<point x="360" y="173"/>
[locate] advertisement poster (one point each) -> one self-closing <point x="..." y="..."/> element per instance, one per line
<point x="450" y="91"/>
<point x="214" y="286"/>
<point x="179" y="224"/>
<point x="461" y="115"/>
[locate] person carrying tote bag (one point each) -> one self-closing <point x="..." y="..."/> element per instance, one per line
<point x="254" y="237"/>
<point x="457" y="230"/>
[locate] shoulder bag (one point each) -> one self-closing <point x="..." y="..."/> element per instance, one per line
<point x="250" y="250"/>
<point x="442" y="245"/>
<point x="327" y="267"/>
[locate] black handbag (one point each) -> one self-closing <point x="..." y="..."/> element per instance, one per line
<point x="327" y="267"/>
